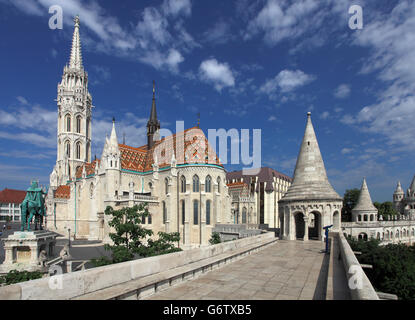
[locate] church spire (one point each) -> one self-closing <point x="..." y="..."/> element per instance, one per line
<point x="75" y="60"/>
<point x="153" y="124"/>
<point x="310" y="178"/>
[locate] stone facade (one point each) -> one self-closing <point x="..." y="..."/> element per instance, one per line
<point x="310" y="202"/>
<point x="179" y="176"/>
<point x="366" y="224"/>
<point x="255" y="196"/>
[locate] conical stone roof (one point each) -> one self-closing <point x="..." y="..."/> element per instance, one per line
<point x="412" y="187"/>
<point x="364" y="203"/>
<point x="75" y="60"/>
<point x="399" y="189"/>
<point x="310" y="179"/>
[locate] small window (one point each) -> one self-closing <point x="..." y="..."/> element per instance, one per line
<point x="208" y="184"/>
<point x="208" y="212"/>
<point x="164" y="213"/>
<point x="195" y="183"/>
<point x="195" y="212"/>
<point x="183" y="184"/>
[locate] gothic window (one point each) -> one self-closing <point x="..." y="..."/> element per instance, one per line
<point x="244" y="215"/>
<point x="68" y="149"/>
<point x="208" y="184"/>
<point x="78" y="150"/>
<point x="68" y="123"/>
<point x="78" y="124"/>
<point x="150" y="219"/>
<point x="208" y="212"/>
<point x="183" y="184"/>
<point x="87" y="127"/>
<point x="87" y="152"/>
<point x="195" y="212"/>
<point x="195" y="183"/>
<point x="218" y="184"/>
<point x="164" y="213"/>
<point x="183" y="211"/>
<point x="166" y="185"/>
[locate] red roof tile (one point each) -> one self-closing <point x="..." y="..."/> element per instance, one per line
<point x="12" y="196"/>
<point x="63" y="192"/>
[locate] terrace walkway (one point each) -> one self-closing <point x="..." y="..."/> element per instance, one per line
<point x="293" y="270"/>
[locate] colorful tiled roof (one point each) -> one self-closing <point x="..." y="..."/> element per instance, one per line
<point x="63" y="192"/>
<point x="12" y="196"/>
<point x="89" y="168"/>
<point x="189" y="146"/>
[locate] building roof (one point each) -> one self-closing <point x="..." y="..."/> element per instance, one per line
<point x="412" y="187"/>
<point x="265" y="175"/>
<point x="196" y="150"/>
<point x="399" y="189"/>
<point x="12" y="196"/>
<point x="310" y="180"/>
<point x="75" y="60"/>
<point x="63" y="192"/>
<point x="364" y="203"/>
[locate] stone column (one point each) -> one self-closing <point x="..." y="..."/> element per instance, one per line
<point x="305" y="228"/>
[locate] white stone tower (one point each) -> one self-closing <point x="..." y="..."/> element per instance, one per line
<point x="364" y="210"/>
<point x="74" y="116"/>
<point x="398" y="196"/>
<point x="310" y="202"/>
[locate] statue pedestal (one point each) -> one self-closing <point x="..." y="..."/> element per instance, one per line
<point x="22" y="249"/>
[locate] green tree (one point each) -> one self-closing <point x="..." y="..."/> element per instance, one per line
<point x="15" y="276"/>
<point x="215" y="238"/>
<point x="385" y="209"/>
<point x="393" y="266"/>
<point x="131" y="239"/>
<point x="351" y="196"/>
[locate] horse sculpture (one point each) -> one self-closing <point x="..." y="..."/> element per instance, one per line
<point x="33" y="205"/>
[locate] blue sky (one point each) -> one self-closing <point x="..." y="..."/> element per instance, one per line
<point x="241" y="64"/>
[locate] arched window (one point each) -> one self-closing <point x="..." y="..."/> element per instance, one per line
<point x="208" y="184"/>
<point x="87" y="127"/>
<point x="218" y="184"/>
<point x="195" y="212"/>
<point x="78" y="150"/>
<point x="183" y="211"/>
<point x="150" y="219"/>
<point x="208" y="212"/>
<point x="244" y="215"/>
<point x="195" y="183"/>
<point x="164" y="213"/>
<point x="68" y="149"/>
<point x="183" y="184"/>
<point x="87" y="152"/>
<point x="68" y="122"/>
<point x="166" y="185"/>
<point x="78" y="124"/>
<point x="143" y="221"/>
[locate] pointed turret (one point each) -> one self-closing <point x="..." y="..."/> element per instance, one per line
<point x="399" y="189"/>
<point x="153" y="124"/>
<point x="113" y="142"/>
<point x="364" y="203"/>
<point x="310" y="178"/>
<point x="412" y="187"/>
<point x="75" y="60"/>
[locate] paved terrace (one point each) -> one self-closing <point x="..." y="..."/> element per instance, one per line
<point x="293" y="270"/>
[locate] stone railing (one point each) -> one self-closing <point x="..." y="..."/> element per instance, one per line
<point x="138" y="278"/>
<point x="360" y="287"/>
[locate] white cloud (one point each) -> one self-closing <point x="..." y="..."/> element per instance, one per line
<point x="346" y="150"/>
<point x="157" y="39"/>
<point x="286" y="81"/>
<point x="272" y="118"/>
<point x="325" y="115"/>
<point x="342" y="91"/>
<point x="219" y="33"/>
<point x="391" y="40"/>
<point x="219" y="74"/>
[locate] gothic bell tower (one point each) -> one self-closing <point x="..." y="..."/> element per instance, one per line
<point x="74" y="116"/>
<point x="153" y="125"/>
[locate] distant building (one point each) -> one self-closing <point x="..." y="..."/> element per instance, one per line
<point x="366" y="224"/>
<point x="405" y="203"/>
<point x="255" y="196"/>
<point x="10" y="201"/>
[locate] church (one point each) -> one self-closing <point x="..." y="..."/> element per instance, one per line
<point x="180" y="177"/>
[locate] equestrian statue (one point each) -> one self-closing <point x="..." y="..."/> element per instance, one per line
<point x="33" y="205"/>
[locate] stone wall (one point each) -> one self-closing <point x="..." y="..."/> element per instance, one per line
<point x="72" y="285"/>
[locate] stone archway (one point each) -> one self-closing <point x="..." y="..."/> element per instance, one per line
<point x="314" y="232"/>
<point x="299" y="225"/>
<point x="336" y="221"/>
